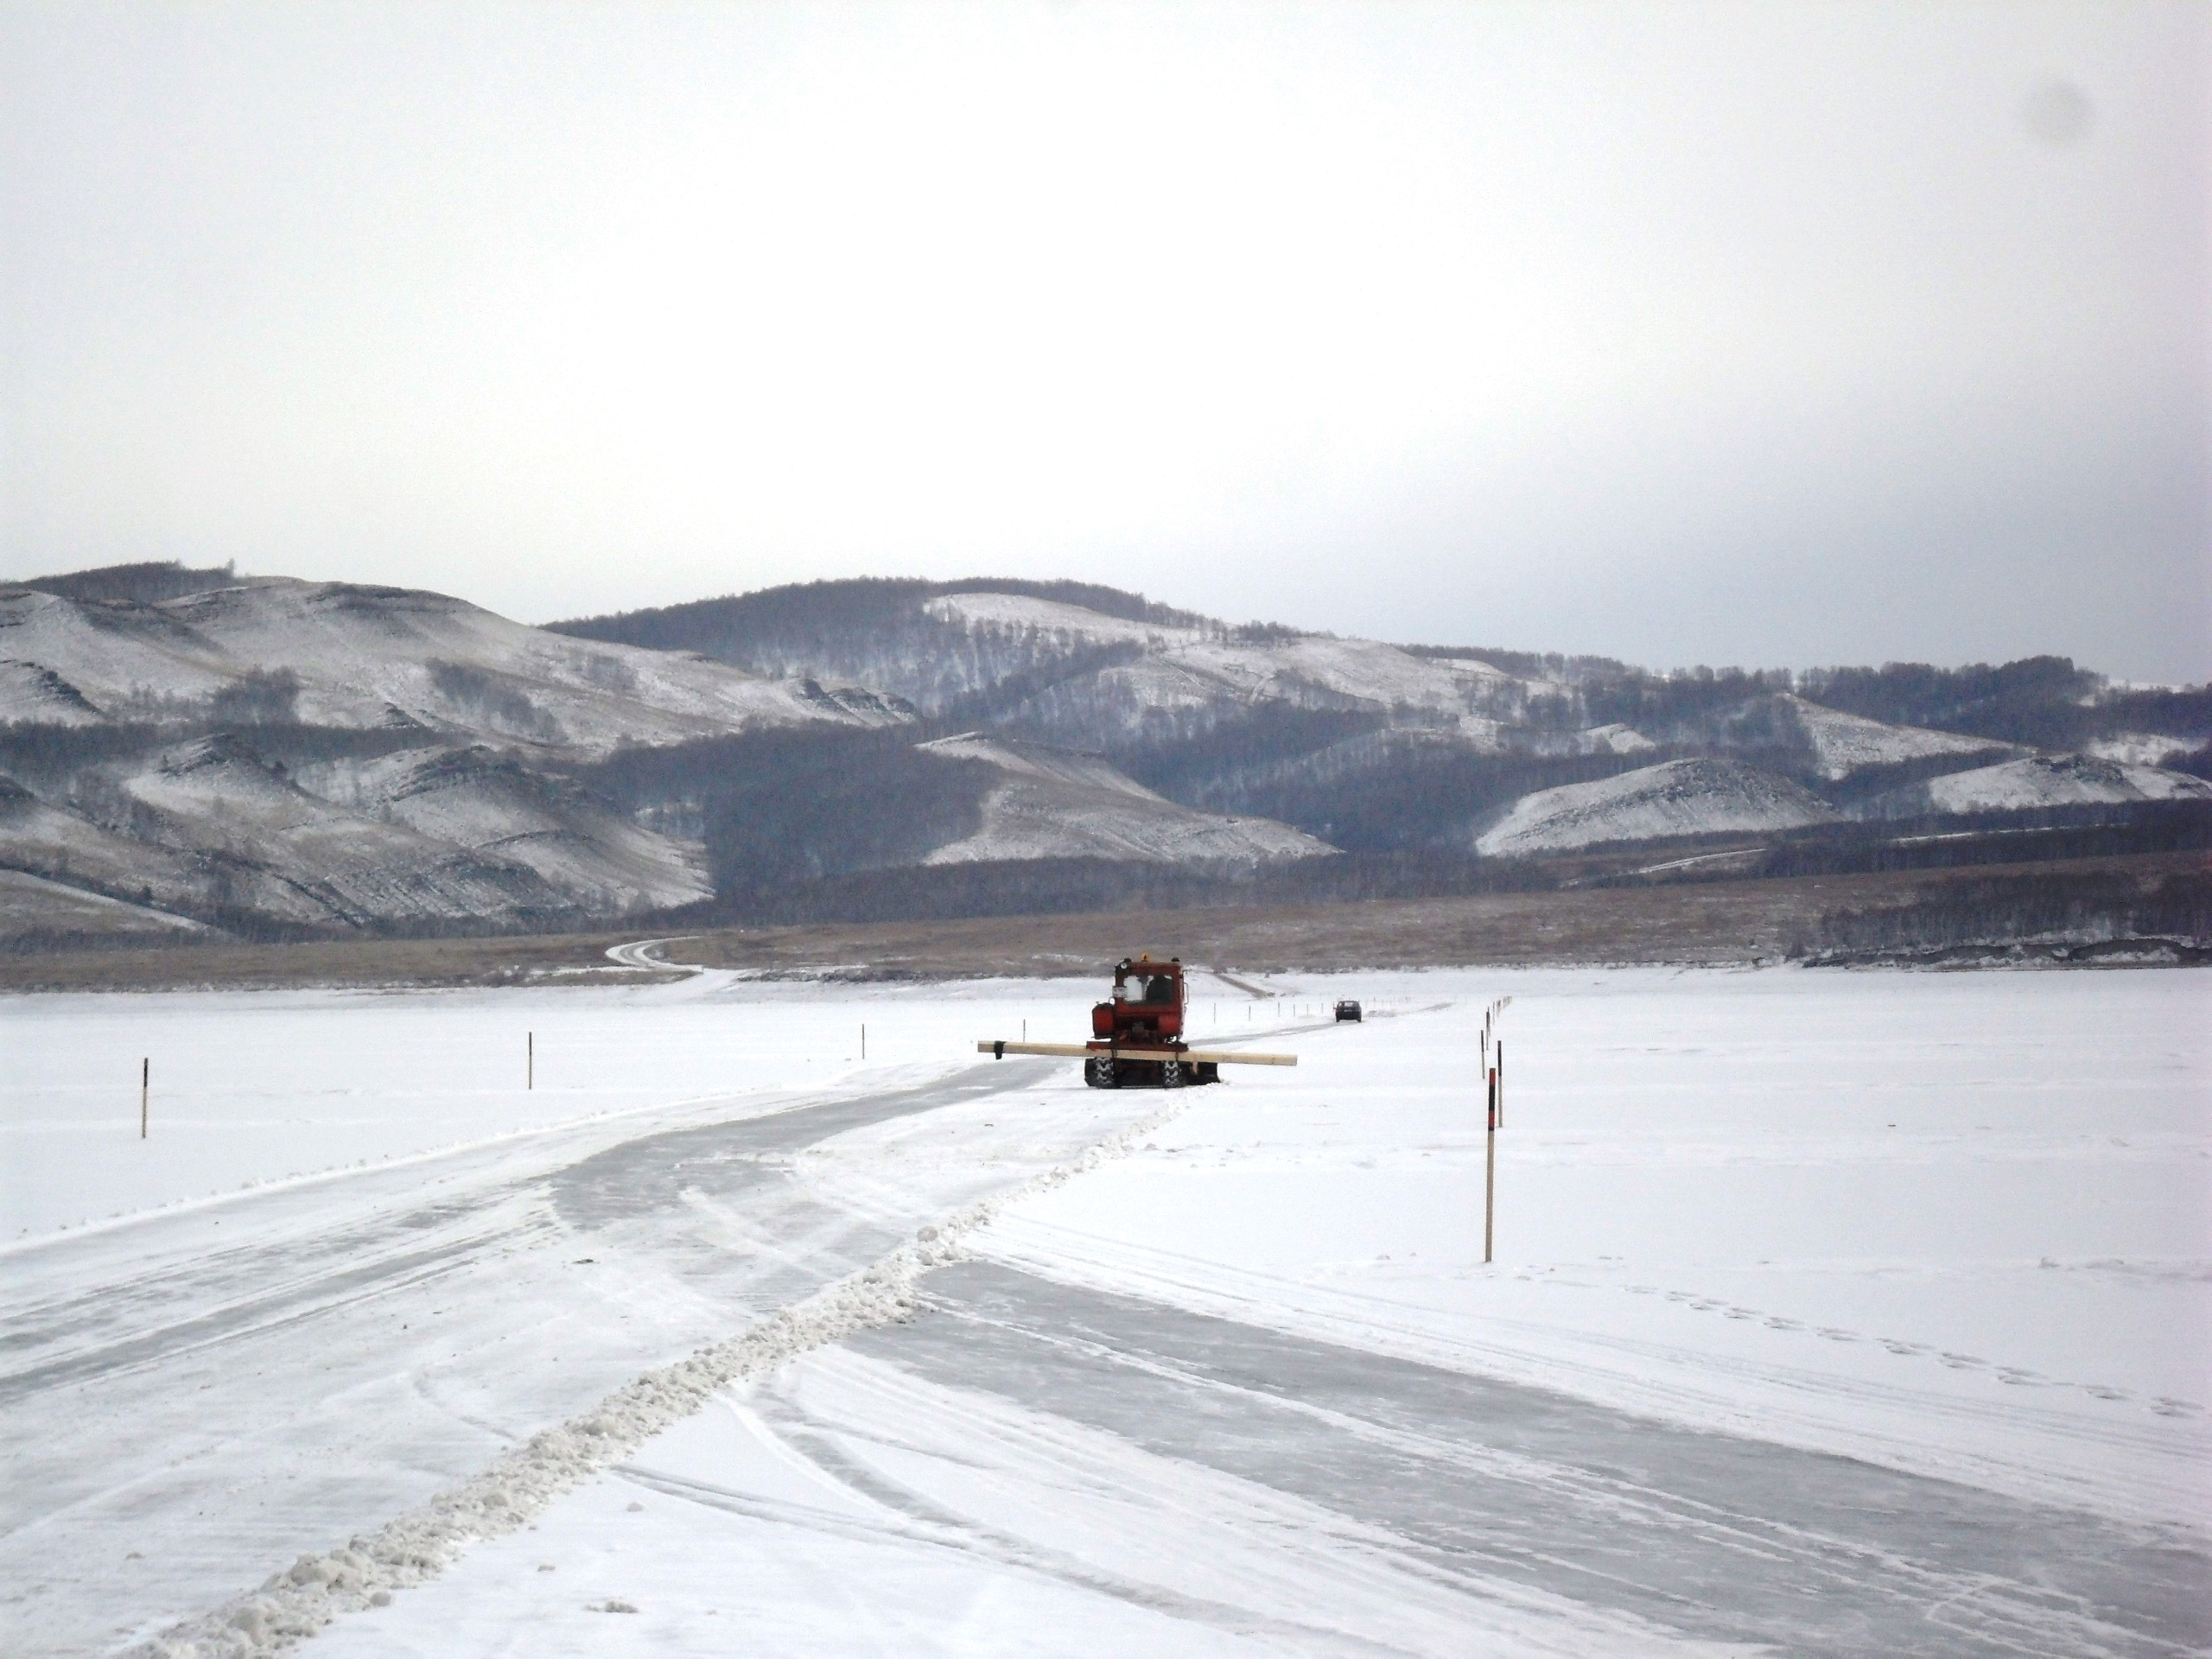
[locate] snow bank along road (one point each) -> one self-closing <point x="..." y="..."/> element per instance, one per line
<point x="1835" y="1314"/>
<point x="198" y="1395"/>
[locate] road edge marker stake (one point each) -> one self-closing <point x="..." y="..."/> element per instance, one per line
<point x="1489" y="1175"/>
<point x="145" y="1086"/>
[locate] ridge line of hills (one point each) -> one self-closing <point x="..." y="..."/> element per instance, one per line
<point x="183" y="750"/>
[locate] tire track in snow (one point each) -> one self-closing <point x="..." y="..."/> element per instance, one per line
<point x="293" y="1604"/>
<point x="1713" y="1535"/>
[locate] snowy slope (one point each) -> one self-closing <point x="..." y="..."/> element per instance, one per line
<point x="53" y="842"/>
<point x="1360" y="670"/>
<point x="1681" y="798"/>
<point x="1054" y="803"/>
<point x="2053" y="780"/>
<point x="295" y="855"/>
<point x="39" y="696"/>
<point x="474" y="798"/>
<point x="1843" y="743"/>
<point x="370" y="658"/>
<point x="2140" y="749"/>
<point x="1019" y="613"/>
<point x="1192" y="668"/>
<point x="34" y="909"/>
<point x="208" y="828"/>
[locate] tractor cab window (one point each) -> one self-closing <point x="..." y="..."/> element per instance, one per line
<point x="1159" y="988"/>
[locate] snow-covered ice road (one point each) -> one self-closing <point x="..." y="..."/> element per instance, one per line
<point x="182" y="1415"/>
<point x="1832" y="1315"/>
<point x="1485" y="1482"/>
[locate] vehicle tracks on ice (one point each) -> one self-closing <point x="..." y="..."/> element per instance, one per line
<point x="372" y="1334"/>
<point x="1712" y="1534"/>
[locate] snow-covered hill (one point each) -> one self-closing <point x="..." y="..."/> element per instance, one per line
<point x="1053" y="803"/>
<point x="2041" y="781"/>
<point x="338" y="655"/>
<point x="446" y="831"/>
<point x="1680" y="797"/>
<point x="430" y="836"/>
<point x="320" y="754"/>
<point x="54" y="842"/>
<point x="2139" y="749"/>
<point x="293" y="855"/>
<point x="1201" y="671"/>
<point x="1843" y="744"/>
<point x="585" y="850"/>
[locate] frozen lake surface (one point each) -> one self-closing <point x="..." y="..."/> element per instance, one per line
<point x="1834" y="1314"/>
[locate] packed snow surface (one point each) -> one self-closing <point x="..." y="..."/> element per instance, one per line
<point x="1057" y="803"/>
<point x="1678" y="797"/>
<point x="1838" y="1313"/>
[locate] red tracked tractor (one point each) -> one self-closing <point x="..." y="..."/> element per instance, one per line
<point x="1137" y="1039"/>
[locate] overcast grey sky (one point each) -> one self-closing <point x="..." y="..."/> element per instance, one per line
<point x="1761" y="334"/>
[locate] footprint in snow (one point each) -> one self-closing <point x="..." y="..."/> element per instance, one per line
<point x="1907" y="1348"/>
<point x="1962" y="1361"/>
<point x="1835" y="1335"/>
<point x="1742" y="1313"/>
<point x="2020" y="1379"/>
<point x="2103" y="1393"/>
<point x="1776" y="1323"/>
<point x="2166" y="1408"/>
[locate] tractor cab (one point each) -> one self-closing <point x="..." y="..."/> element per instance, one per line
<point x="1147" y="1008"/>
<point x="1144" y="1013"/>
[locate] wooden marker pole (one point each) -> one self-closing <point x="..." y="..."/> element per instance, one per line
<point x="1489" y="1176"/>
<point x="145" y="1086"/>
<point x="1499" y="1063"/>
<point x="529" y="1060"/>
<point x="863" y="1039"/>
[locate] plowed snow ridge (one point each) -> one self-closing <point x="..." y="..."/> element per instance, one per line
<point x="293" y="1605"/>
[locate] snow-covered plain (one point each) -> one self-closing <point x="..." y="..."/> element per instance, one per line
<point x="1833" y="1312"/>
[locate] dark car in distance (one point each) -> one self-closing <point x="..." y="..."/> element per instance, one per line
<point x="1347" y="1009"/>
